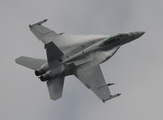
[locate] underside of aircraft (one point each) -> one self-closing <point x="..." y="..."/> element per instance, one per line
<point x="78" y="55"/>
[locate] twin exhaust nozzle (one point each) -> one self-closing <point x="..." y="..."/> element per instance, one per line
<point x="40" y="72"/>
<point x="46" y="74"/>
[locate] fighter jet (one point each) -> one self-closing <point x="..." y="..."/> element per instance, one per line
<point x="78" y="55"/>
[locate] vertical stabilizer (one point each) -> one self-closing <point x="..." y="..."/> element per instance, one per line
<point x="55" y="87"/>
<point x="52" y="51"/>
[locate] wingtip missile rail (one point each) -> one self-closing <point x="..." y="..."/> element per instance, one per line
<point x="109" y="84"/>
<point x="111" y="97"/>
<point x="39" y="23"/>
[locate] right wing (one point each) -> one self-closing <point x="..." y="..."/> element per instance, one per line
<point x="91" y="76"/>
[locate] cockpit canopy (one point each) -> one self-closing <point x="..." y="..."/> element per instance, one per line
<point x="114" y="38"/>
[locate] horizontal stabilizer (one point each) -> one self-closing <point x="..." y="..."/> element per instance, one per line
<point x="52" y="51"/>
<point x="32" y="63"/>
<point x="55" y="87"/>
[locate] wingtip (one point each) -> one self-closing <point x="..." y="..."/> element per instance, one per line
<point x="38" y="23"/>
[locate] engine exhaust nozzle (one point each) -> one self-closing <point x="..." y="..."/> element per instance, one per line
<point x="45" y="77"/>
<point x="39" y="72"/>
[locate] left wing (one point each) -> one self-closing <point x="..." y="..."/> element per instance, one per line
<point x="91" y="76"/>
<point x="63" y="42"/>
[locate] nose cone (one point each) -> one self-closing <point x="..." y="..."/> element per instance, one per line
<point x="132" y="36"/>
<point x="135" y="35"/>
<point x="140" y="33"/>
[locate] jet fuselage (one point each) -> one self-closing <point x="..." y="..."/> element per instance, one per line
<point x="78" y="55"/>
<point x="100" y="52"/>
<point x="107" y="47"/>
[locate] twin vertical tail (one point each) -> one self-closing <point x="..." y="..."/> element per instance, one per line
<point x="52" y="51"/>
<point x="41" y="67"/>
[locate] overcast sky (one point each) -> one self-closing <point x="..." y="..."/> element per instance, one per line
<point x="136" y="68"/>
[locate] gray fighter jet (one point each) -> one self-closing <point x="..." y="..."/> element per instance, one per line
<point x="76" y="55"/>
